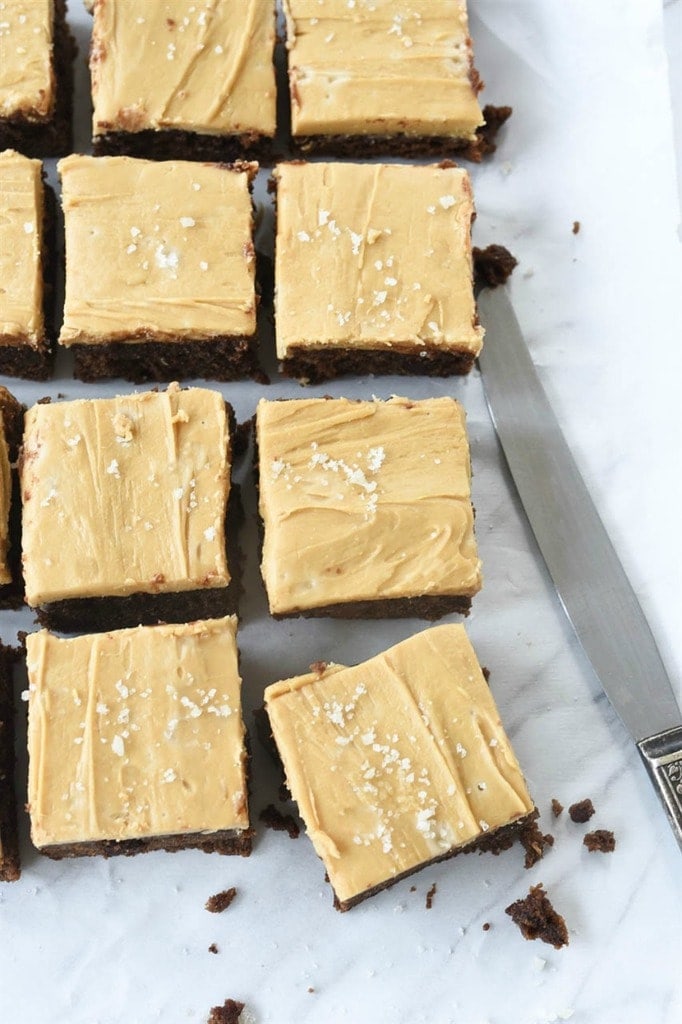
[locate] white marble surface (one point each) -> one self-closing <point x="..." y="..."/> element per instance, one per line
<point x="127" y="940"/>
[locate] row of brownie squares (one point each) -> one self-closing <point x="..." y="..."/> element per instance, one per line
<point x="198" y="81"/>
<point x="373" y="270"/>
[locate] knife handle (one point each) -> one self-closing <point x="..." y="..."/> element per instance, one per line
<point x="662" y="756"/>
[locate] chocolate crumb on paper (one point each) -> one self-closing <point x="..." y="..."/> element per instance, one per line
<point x="221" y="900"/>
<point x="279" y="822"/>
<point x="534" y="842"/>
<point x="213" y="948"/>
<point x="430" y="895"/>
<point x="600" y="841"/>
<point x="576" y="227"/>
<point x="493" y="266"/>
<point x="581" y="811"/>
<point x="535" y="916"/>
<point x="557" y="807"/>
<point x="228" y="1013"/>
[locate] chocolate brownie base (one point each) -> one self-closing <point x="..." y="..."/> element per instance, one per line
<point x="101" y="614"/>
<point x="53" y="136"/>
<point x="177" y="144"/>
<point x="423" y="607"/>
<point x="12" y="594"/>
<point x="408" y="146"/>
<point x="318" y="364"/>
<point x="10" y="867"/>
<point x="223" y="359"/>
<point x="502" y="839"/>
<point x="20" y="359"/>
<point x="226" y="842"/>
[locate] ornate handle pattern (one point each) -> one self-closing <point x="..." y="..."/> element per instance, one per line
<point x="662" y="756"/>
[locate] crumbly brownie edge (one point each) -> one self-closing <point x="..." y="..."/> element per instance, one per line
<point x="222" y="359"/>
<point x="226" y="841"/>
<point x="54" y="136"/>
<point x="23" y="360"/>
<point x="500" y="840"/>
<point x="314" y="365"/>
<point x="177" y="144"/>
<point x="10" y="865"/>
<point x="400" y="144"/>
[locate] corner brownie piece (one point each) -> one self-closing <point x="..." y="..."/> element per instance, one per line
<point x="136" y="741"/>
<point x="366" y="507"/>
<point x="178" y="296"/>
<point x="382" y="77"/>
<point x="374" y="270"/>
<point x="36" y="77"/>
<point x="26" y="225"/>
<point x="398" y="762"/>
<point x="124" y="506"/>
<point x="10" y="867"/>
<point x="184" y="81"/>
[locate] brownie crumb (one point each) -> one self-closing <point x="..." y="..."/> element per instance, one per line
<point x="319" y="668"/>
<point x="537" y="918"/>
<point x="486" y="142"/>
<point x="557" y="807"/>
<point x="310" y="988"/>
<point x="493" y="266"/>
<point x="213" y="948"/>
<point x="576" y="227"/>
<point x="430" y="895"/>
<point x="600" y="841"/>
<point x="221" y="901"/>
<point x="413" y="888"/>
<point x="582" y="811"/>
<point x="228" y="1013"/>
<point x="274" y="819"/>
<point x="534" y="842"/>
<point x="486" y="926"/>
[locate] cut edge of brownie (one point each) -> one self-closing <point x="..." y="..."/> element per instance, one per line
<point x="401" y="144"/>
<point x="319" y="363"/>
<point x="227" y="358"/>
<point x="12" y="593"/>
<point x="22" y="359"/>
<point x="52" y="136"/>
<point x="180" y="144"/>
<point x="224" y="841"/>
<point x="10" y="862"/>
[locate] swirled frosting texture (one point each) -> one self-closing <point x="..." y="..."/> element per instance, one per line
<point x="125" y="495"/>
<point x="135" y="733"/>
<point x="374" y="256"/>
<point x="364" y="501"/>
<point x="203" y="67"/>
<point x="21" y="240"/>
<point x="27" y="84"/>
<point x="157" y="250"/>
<point x="381" y="67"/>
<point x="398" y="760"/>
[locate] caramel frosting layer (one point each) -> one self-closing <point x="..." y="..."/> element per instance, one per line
<point x="27" y="83"/>
<point x="135" y="733"/>
<point x="203" y="67"/>
<point x="125" y="495"/>
<point x="157" y="250"/>
<point x="5" y="503"/>
<point x="398" y="760"/>
<point x="21" y="239"/>
<point x="368" y="67"/>
<point x="374" y="256"/>
<point x="364" y="501"/>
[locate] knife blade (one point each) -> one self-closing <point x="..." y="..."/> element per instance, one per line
<point x="589" y="578"/>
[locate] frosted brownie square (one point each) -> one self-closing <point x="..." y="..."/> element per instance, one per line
<point x="124" y="505"/>
<point x="160" y="269"/>
<point x="36" y="77"/>
<point x="26" y="224"/>
<point x="136" y="741"/>
<point x="373" y="77"/>
<point x="10" y="866"/>
<point x="373" y="270"/>
<point x="366" y="507"/>
<point x="185" y="81"/>
<point x="398" y="762"/>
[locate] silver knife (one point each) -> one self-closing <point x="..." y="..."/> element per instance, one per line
<point x="590" y="581"/>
